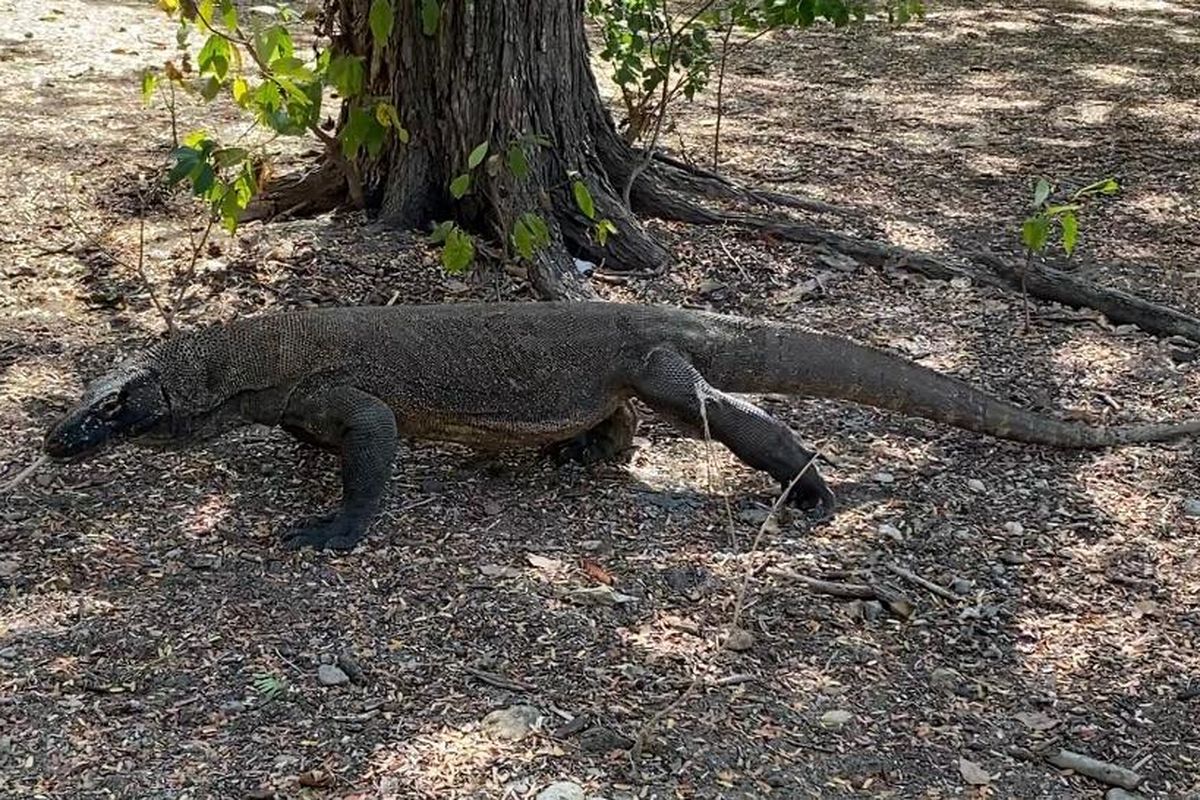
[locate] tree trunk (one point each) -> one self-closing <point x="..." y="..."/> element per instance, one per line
<point x="498" y="71"/>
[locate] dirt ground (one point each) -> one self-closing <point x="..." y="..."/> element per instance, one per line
<point x="155" y="641"/>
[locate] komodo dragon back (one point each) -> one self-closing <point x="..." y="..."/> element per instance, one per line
<point x="552" y="375"/>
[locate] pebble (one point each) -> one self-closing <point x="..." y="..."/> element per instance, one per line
<point x="330" y="675"/>
<point x="1117" y="793"/>
<point x="884" y="477"/>
<point x="9" y="567"/>
<point x="233" y="707"/>
<point x="892" y="532"/>
<point x="349" y="665"/>
<point x="962" y="586"/>
<point x="599" y="739"/>
<point x="1013" y="558"/>
<point x="511" y="724"/>
<point x="944" y="678"/>
<point x="739" y="640"/>
<point x="562" y="790"/>
<point x="1191" y="507"/>
<point x="1015" y="528"/>
<point x="836" y="719"/>
<point x="976" y="485"/>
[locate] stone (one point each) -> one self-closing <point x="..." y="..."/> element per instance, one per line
<point x="884" y="477"/>
<point x="511" y="724"/>
<point x="976" y="485"/>
<point x="944" y="678"/>
<point x="1191" y="507"/>
<point x="562" y="790"/>
<point x="599" y="739"/>
<point x="739" y="640"/>
<point x="331" y="675"/>
<point x="836" y="719"/>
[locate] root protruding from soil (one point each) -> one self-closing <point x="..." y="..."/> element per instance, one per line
<point x="300" y="194"/>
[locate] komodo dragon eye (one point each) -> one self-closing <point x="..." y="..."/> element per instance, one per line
<point x="110" y="405"/>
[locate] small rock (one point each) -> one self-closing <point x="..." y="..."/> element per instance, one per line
<point x="961" y="586"/>
<point x="944" y="678"/>
<point x="431" y="485"/>
<point x="872" y="609"/>
<point x="1191" y="507"/>
<point x="562" y="790"/>
<point x="204" y="561"/>
<point x="9" y="568"/>
<point x="330" y="675"/>
<point x="892" y="532"/>
<point x="1117" y="793"/>
<point x="233" y="707"/>
<point x="714" y="289"/>
<point x="1014" y="528"/>
<point x="511" y="724"/>
<point x="347" y="662"/>
<point x="491" y="508"/>
<point x="884" y="477"/>
<point x="976" y="485"/>
<point x="599" y="739"/>
<point x="500" y="571"/>
<point x="1013" y="559"/>
<point x="739" y="640"/>
<point x="836" y="719"/>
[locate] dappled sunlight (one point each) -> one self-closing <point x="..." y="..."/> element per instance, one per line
<point x="206" y="517"/>
<point x="449" y="760"/>
<point x="47" y="613"/>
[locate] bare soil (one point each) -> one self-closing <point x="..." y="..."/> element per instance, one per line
<point x="155" y="641"/>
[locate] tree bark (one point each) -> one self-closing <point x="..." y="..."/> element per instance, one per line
<point x="498" y="71"/>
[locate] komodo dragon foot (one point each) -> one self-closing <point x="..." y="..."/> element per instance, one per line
<point x="337" y="531"/>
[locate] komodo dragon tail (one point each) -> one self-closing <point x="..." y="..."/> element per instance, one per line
<point x="791" y="360"/>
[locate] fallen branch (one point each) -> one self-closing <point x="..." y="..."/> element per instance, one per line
<point x="924" y="583"/>
<point x="1103" y="771"/>
<point x="982" y="267"/>
<point x="892" y="599"/>
<point x="21" y="476"/>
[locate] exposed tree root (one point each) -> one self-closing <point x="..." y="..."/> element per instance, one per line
<point x="985" y="268"/>
<point x="300" y="194"/>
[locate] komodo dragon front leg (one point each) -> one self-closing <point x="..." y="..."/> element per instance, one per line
<point x="362" y="428"/>
<point x="670" y="385"/>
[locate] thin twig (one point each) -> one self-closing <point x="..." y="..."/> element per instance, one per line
<point x="20" y="477"/>
<point x="716" y="151"/>
<point x="167" y="316"/>
<point x="924" y="583"/>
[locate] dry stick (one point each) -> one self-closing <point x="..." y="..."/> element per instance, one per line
<point x="20" y="477"/>
<point x="924" y="583"/>
<point x="716" y="153"/>
<point x="1103" y="771"/>
<point x="710" y="465"/>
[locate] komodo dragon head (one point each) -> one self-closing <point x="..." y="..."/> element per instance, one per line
<point x="130" y="402"/>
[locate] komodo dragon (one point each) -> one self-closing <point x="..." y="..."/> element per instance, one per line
<point x="519" y="374"/>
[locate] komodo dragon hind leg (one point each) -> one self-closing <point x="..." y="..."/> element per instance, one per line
<point x="363" y="429"/>
<point x="669" y="384"/>
<point x="611" y="440"/>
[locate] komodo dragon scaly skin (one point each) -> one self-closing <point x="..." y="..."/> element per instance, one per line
<point x="519" y="374"/>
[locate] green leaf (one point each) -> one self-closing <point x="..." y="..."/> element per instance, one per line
<point x="187" y="159"/>
<point x="522" y="239"/>
<point x="1110" y="186"/>
<point x="1070" y="231"/>
<point x="518" y="165"/>
<point x="476" y="157"/>
<point x="346" y="74"/>
<point x="1034" y="233"/>
<point x="214" y="57"/>
<point x="583" y="199"/>
<point x="460" y="185"/>
<point x="229" y="156"/>
<point x="210" y="88"/>
<point x="431" y="12"/>
<point x="604" y="229"/>
<point x="458" y="252"/>
<point x="381" y="18"/>
<point x="362" y="129"/>
<point x="537" y="227"/>
<point x="1041" y="192"/>
<point x="229" y="14"/>
<point x="273" y="43"/>
<point x="149" y="81"/>
<point x="441" y="231"/>
<point x="241" y="91"/>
